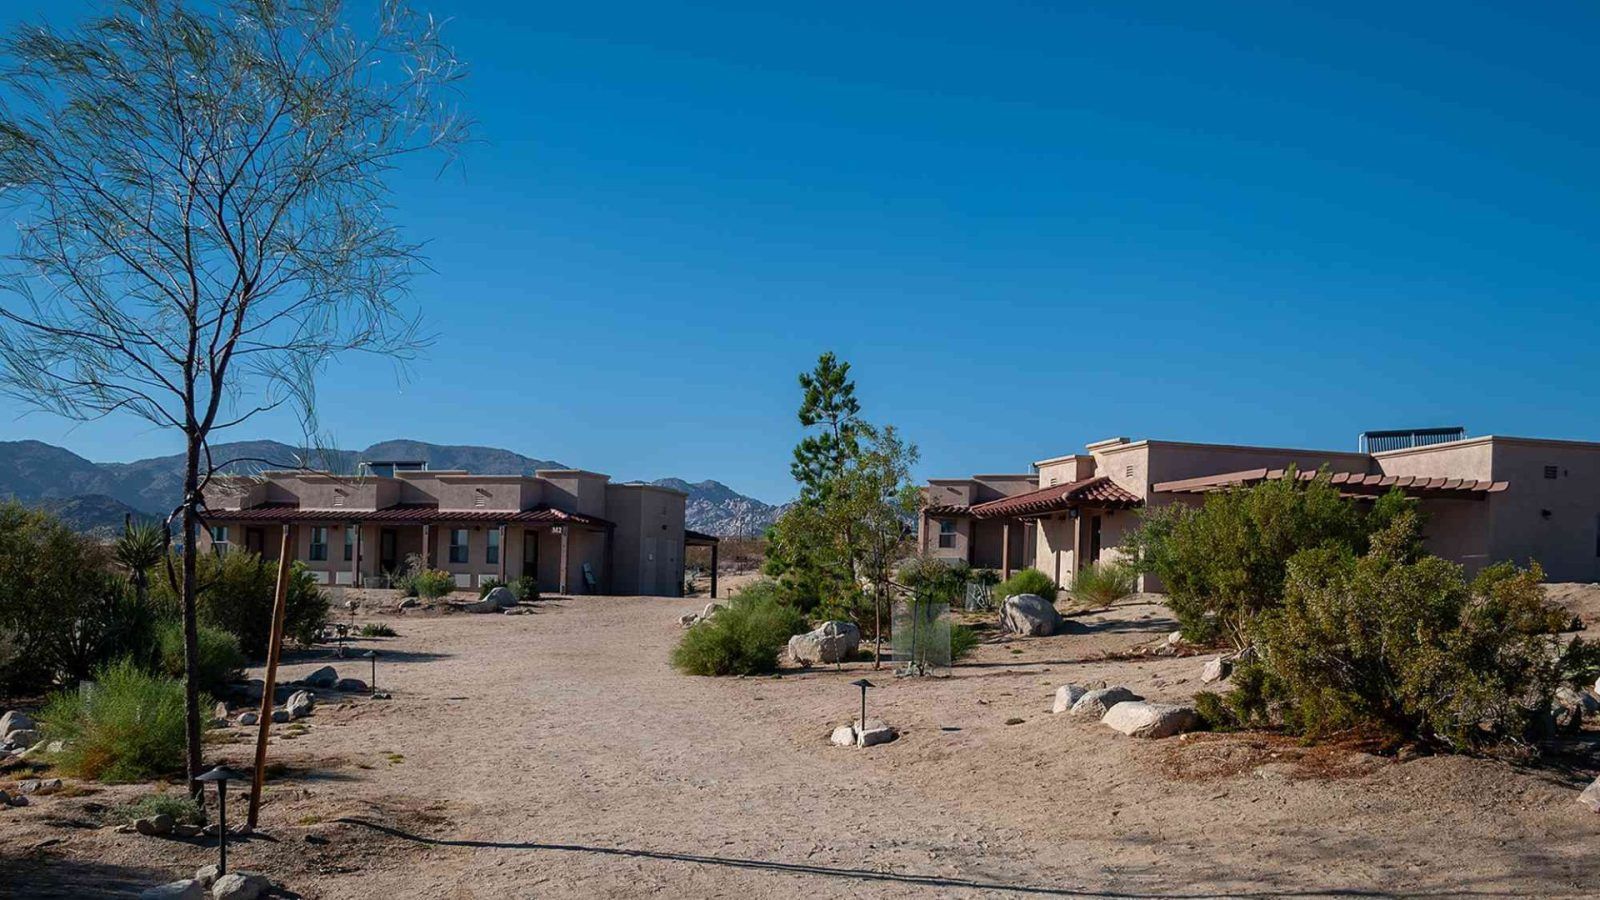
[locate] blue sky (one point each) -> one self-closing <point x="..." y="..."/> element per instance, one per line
<point x="1027" y="226"/>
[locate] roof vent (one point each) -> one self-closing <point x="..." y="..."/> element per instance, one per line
<point x="1406" y="438"/>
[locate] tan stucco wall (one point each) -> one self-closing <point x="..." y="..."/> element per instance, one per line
<point x="647" y="555"/>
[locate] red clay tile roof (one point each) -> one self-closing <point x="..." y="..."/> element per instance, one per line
<point x="407" y="514"/>
<point x="1100" y="492"/>
<point x="1350" y="483"/>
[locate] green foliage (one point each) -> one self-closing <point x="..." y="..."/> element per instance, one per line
<point x="1224" y="562"/>
<point x="963" y="639"/>
<point x="182" y="809"/>
<point x="221" y="660"/>
<point x="140" y="548"/>
<point x="431" y="584"/>
<point x="1026" y="581"/>
<point x="1401" y="643"/>
<point x="525" y="589"/>
<point x="828" y="401"/>
<point x="1104" y="583"/>
<point x="932" y="579"/>
<point x="62" y="612"/>
<point x="377" y="630"/>
<point x="744" y="638"/>
<point x="804" y="553"/>
<point x="128" y="728"/>
<point x="236" y="595"/>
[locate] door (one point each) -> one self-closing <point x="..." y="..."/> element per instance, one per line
<point x="388" y="550"/>
<point x="647" y="569"/>
<point x="255" y="541"/>
<point x="530" y="554"/>
<point x="1094" y="539"/>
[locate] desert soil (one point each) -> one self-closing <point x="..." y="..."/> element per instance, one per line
<point x="558" y="755"/>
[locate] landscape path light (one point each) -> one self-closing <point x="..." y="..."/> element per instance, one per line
<point x="221" y="775"/>
<point x="373" y="655"/>
<point x="863" y="684"/>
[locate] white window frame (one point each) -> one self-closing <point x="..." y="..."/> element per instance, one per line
<point x="219" y="539"/>
<point x="947" y="530"/>
<point x="465" y="547"/>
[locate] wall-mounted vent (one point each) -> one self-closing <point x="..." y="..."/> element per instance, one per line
<point x="1550" y="472"/>
<point x="1405" y="438"/>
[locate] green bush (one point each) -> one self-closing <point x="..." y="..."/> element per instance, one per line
<point x="182" y="809"/>
<point x="525" y="589"/>
<point x="377" y="630"/>
<point x="963" y="639"/>
<point x="935" y="580"/>
<point x="489" y="585"/>
<point x="129" y="727"/>
<point x="221" y="660"/>
<point x="1401" y="644"/>
<point x="431" y="584"/>
<point x="237" y="594"/>
<point x="744" y="638"/>
<point x="1026" y="581"/>
<point x="1223" y="563"/>
<point x="1104" y="583"/>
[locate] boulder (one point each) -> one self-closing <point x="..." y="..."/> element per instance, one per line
<point x="350" y="684"/>
<point x="240" y="886"/>
<point x="15" y="720"/>
<point x="187" y="889"/>
<point x="688" y="619"/>
<point x="410" y="603"/>
<point x="1591" y="796"/>
<point x="24" y="737"/>
<point x="1098" y="702"/>
<point x="324" y="677"/>
<point x="1216" y="670"/>
<point x="5" y="798"/>
<point x="299" y="704"/>
<point x="184" y="830"/>
<point x="249" y="718"/>
<point x="220" y="711"/>
<point x="1137" y="718"/>
<point x="280" y="715"/>
<point x="501" y="597"/>
<point x="1066" y="696"/>
<point x="1029" y="615"/>
<point x="710" y="610"/>
<point x="154" y="826"/>
<point x="206" y="875"/>
<point x="831" y="642"/>
<point x="40" y="786"/>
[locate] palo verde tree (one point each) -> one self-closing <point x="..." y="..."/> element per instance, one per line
<point x="202" y="196"/>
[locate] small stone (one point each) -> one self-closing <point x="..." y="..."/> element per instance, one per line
<point x="220" y="711"/>
<point x="410" y="603"/>
<point x="1591" y="796"/>
<point x="688" y="619"/>
<point x="350" y="685"/>
<point x="1066" y="696"/>
<point x="1174" y="638"/>
<point x="206" y="875"/>
<point x="280" y="715"/>
<point x="844" y="736"/>
<point x="299" y="704"/>
<point x="24" y="737"/>
<point x="239" y="886"/>
<point x="1215" y="670"/>
<point x="187" y="889"/>
<point x="875" y="731"/>
<point x="249" y="718"/>
<point x="185" y="830"/>
<point x="1151" y="720"/>
<point x="154" y="826"/>
<point x="19" y="800"/>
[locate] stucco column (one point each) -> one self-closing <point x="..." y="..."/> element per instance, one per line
<point x="503" y="549"/>
<point x="427" y="546"/>
<point x="1005" y="549"/>
<point x="355" y="559"/>
<point x="1077" y="544"/>
<point x="562" y="584"/>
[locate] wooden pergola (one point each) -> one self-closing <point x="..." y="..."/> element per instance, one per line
<point x="700" y="539"/>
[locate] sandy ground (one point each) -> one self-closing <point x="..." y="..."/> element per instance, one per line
<point x="557" y="755"/>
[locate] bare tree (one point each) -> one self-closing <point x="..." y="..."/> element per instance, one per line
<point x="202" y="203"/>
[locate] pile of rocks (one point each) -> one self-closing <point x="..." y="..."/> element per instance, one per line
<point x="830" y="642"/>
<point x="205" y="883"/>
<point x="874" y="731"/>
<point x="17" y="733"/>
<point x="690" y="619"/>
<point x="1121" y="709"/>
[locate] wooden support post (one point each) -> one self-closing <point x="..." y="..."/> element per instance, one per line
<point x="355" y="559"/>
<point x="427" y="546"/>
<point x="562" y="584"/>
<point x="713" y="571"/>
<point x="502" y="553"/>
<point x="269" y="686"/>
<point x="1005" y="550"/>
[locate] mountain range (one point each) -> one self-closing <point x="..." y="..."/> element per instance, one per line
<point x="94" y="497"/>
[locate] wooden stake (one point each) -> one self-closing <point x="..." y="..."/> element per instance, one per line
<point x="269" y="687"/>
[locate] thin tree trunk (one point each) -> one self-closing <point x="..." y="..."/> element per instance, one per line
<point x="191" y="626"/>
<point x="877" y="629"/>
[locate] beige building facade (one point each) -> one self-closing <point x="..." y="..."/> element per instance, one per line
<point x="574" y="531"/>
<point x="1486" y="499"/>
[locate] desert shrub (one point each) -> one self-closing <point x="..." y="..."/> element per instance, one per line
<point x="377" y="630"/>
<point x="525" y="589"/>
<point x="1026" y="581"/>
<point x="1402" y="644"/>
<point x="221" y="660"/>
<point x="431" y="584"/>
<point x="1104" y="583"/>
<point x="934" y="580"/>
<point x="963" y="639"/>
<point x="489" y="585"/>
<point x="236" y="595"/>
<point x="744" y="638"/>
<point x="1224" y="562"/>
<point x="173" y="803"/>
<point x="130" y="727"/>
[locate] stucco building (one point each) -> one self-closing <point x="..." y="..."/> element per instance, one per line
<point x="1486" y="499"/>
<point x="574" y="531"/>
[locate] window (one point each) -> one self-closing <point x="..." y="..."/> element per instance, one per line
<point x="319" y="544"/>
<point x="492" y="555"/>
<point x="458" y="545"/>
<point x="947" y="534"/>
<point x="1550" y="471"/>
<point x="219" y="539"/>
<point x="349" y="543"/>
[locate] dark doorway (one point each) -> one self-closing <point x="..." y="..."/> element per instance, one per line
<point x="255" y="541"/>
<point x="530" y="554"/>
<point x="388" y="554"/>
<point x="1094" y="539"/>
